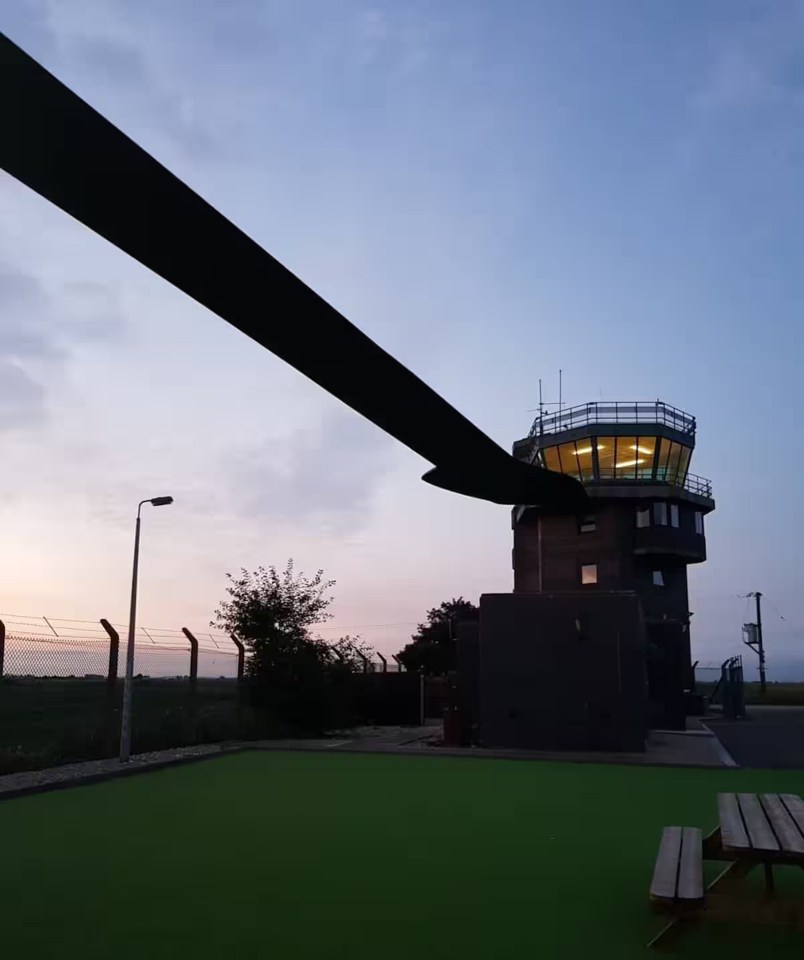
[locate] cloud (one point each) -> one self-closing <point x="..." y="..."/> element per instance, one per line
<point x="37" y="334"/>
<point x="24" y="345"/>
<point x="758" y="63"/>
<point x="323" y="477"/>
<point x="112" y="49"/>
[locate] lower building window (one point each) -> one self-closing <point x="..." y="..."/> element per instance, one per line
<point x="660" y="514"/>
<point x="699" y="522"/>
<point x="587" y="524"/>
<point x="588" y="573"/>
<point x="658" y="578"/>
<point x="674" y="515"/>
<point x="643" y="517"/>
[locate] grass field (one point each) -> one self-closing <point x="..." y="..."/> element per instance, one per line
<point x="294" y="855"/>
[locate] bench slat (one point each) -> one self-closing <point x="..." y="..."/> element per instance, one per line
<point x="756" y="823"/>
<point x="732" y="829"/>
<point x="665" y="873"/>
<point x="784" y="826"/>
<point x="795" y="807"/>
<point x="690" y="868"/>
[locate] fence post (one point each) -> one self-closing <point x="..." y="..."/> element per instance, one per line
<point x="422" y="695"/>
<point x="111" y="728"/>
<point x="241" y="656"/>
<point x="365" y="660"/>
<point x="193" y="655"/>
<point x="384" y="662"/>
<point x="114" y="652"/>
<point x="2" y="646"/>
<point x="192" y="698"/>
<point x="400" y="668"/>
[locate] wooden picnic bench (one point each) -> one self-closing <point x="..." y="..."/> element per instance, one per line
<point x="753" y="830"/>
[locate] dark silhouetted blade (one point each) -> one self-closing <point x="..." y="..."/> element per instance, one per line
<point x="64" y="150"/>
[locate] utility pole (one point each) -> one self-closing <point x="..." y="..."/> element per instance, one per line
<point x="754" y="632"/>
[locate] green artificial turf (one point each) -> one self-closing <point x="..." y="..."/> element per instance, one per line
<point x="290" y="855"/>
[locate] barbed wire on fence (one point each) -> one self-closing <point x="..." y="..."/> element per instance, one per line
<point x="41" y="646"/>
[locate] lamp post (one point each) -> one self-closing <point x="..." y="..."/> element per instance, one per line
<point x="125" y="725"/>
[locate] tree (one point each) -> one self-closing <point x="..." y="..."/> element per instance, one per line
<point x="266" y="606"/>
<point x="290" y="672"/>
<point x="432" y="648"/>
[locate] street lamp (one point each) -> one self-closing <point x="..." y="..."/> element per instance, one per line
<point x="125" y="725"/>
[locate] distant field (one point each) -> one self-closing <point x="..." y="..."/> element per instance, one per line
<point x="781" y="694"/>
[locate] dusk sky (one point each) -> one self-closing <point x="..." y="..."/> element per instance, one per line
<point x="491" y="191"/>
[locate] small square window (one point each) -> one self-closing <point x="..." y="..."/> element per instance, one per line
<point x="660" y="514"/>
<point x="588" y="573"/>
<point x="587" y="524"/>
<point x="658" y="578"/>
<point x="674" y="515"/>
<point x="643" y="517"/>
<point x="699" y="527"/>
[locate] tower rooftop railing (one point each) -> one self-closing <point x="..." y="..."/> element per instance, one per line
<point x="587" y="414"/>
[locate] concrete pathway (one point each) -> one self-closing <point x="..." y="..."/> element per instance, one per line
<point x="695" y="748"/>
<point x="770" y="737"/>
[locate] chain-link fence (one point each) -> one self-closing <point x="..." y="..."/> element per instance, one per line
<point x="61" y="689"/>
<point x="722" y="686"/>
<point x="50" y="647"/>
<point x="707" y="680"/>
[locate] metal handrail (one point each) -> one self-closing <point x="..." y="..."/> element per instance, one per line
<point x="692" y="483"/>
<point x="699" y="485"/>
<point x="637" y="412"/>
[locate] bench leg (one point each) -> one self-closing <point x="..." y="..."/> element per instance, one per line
<point x="672" y="932"/>
<point x="713" y="845"/>
<point x="736" y="871"/>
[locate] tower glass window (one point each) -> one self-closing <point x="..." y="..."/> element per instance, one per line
<point x="644" y="452"/>
<point x="588" y="574"/>
<point x="674" y="463"/>
<point x="569" y="459"/>
<point x="684" y="464"/>
<point x="605" y="456"/>
<point x="584" y="453"/>
<point x="551" y="460"/>
<point x="661" y="463"/>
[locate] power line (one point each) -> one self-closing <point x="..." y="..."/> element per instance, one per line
<point x="371" y="626"/>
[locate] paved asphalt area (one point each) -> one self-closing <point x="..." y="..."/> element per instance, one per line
<point x="769" y="737"/>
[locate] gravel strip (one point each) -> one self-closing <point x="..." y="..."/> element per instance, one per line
<point x="93" y="771"/>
